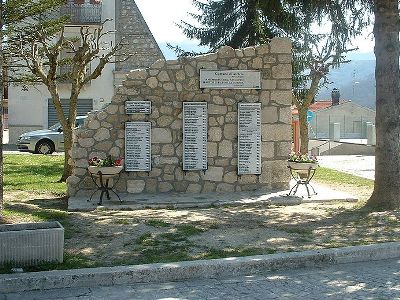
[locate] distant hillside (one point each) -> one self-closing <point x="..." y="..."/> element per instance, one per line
<point x="356" y="82"/>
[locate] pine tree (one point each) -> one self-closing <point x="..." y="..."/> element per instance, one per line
<point x="247" y="23"/>
<point x="242" y="23"/>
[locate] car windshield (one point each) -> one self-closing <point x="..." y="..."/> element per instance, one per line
<point x="55" y="127"/>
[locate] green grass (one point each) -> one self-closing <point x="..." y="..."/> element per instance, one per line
<point x="141" y="240"/>
<point x="163" y="247"/>
<point x="157" y="223"/>
<point x="71" y="261"/>
<point x="326" y="175"/>
<point x="33" y="174"/>
<point x="38" y="173"/>
<point x="188" y="229"/>
<point x="33" y="213"/>
<point x="236" y="252"/>
<point x="122" y="221"/>
<point x="164" y="254"/>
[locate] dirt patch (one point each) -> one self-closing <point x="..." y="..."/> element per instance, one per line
<point x="108" y="238"/>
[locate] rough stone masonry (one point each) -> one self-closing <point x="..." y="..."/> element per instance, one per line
<point x="167" y="84"/>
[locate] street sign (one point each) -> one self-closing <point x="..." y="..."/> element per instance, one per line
<point x="310" y="115"/>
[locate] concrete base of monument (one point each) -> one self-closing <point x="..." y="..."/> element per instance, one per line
<point x="183" y="200"/>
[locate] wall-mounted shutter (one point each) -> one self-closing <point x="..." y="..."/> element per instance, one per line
<point x="84" y="106"/>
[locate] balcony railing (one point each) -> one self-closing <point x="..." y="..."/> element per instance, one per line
<point x="82" y="14"/>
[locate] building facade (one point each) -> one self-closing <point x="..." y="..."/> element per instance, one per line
<point x="350" y="116"/>
<point x="32" y="109"/>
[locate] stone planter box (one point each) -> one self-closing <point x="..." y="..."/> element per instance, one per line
<point x="31" y="243"/>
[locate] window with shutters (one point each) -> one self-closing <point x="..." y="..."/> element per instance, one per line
<point x="83" y="107"/>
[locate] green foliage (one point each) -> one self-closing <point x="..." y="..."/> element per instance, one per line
<point x="21" y="21"/>
<point x="15" y="11"/>
<point x="250" y="22"/>
<point x="38" y="173"/>
<point x="242" y="23"/>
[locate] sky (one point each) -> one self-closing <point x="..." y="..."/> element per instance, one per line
<point x="161" y="16"/>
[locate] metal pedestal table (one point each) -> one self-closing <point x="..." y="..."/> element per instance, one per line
<point x="302" y="177"/>
<point x="104" y="186"/>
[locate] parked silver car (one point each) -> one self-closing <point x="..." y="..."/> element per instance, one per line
<point x="45" y="141"/>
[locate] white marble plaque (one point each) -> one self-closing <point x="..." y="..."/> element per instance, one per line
<point x="138" y="107"/>
<point x="249" y="138"/>
<point x="230" y="79"/>
<point x="195" y="136"/>
<point x="138" y="146"/>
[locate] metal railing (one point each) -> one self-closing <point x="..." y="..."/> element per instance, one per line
<point x="352" y="125"/>
<point x="81" y="14"/>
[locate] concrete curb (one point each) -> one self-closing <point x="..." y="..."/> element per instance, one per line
<point x="216" y="268"/>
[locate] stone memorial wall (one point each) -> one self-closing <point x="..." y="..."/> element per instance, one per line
<point x="192" y="103"/>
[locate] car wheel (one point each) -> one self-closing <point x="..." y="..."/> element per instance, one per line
<point x="44" y="147"/>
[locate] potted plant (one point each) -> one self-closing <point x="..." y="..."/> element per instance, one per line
<point x="302" y="168"/>
<point x="298" y="161"/>
<point x="107" y="167"/>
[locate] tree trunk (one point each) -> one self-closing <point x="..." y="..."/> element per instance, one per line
<point x="1" y="106"/>
<point x="68" y="141"/>
<point x="387" y="152"/>
<point x="303" y="130"/>
<point x="302" y="106"/>
<point x="69" y="132"/>
<point x="67" y="127"/>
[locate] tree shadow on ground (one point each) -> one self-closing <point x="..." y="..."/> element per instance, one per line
<point x="109" y="238"/>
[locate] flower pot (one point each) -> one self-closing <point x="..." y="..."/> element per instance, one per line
<point x="31" y="243"/>
<point x="106" y="172"/>
<point x="302" y="165"/>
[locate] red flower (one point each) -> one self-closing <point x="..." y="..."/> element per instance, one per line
<point x="118" y="162"/>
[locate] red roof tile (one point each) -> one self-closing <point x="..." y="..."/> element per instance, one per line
<point x="318" y="105"/>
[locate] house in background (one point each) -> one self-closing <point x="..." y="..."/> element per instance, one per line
<point x="350" y="117"/>
<point x="32" y="109"/>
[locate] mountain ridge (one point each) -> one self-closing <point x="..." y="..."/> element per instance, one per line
<point x="355" y="81"/>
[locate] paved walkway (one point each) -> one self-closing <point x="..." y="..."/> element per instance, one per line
<point x="370" y="280"/>
<point x="182" y="200"/>
<point x="359" y="165"/>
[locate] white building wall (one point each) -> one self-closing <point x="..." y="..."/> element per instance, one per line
<point x="28" y="108"/>
<point x="349" y="115"/>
